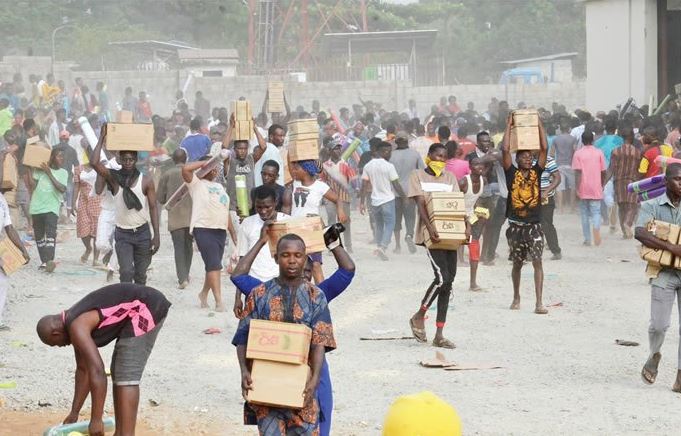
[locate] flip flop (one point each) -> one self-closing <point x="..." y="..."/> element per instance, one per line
<point x="419" y="333"/>
<point x="653" y="376"/>
<point x="444" y="343"/>
<point x="653" y="373"/>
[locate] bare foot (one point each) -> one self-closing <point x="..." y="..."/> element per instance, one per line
<point x="541" y="310"/>
<point x="475" y="288"/>
<point x="677" y="383"/>
<point x="515" y="305"/>
<point x="649" y="371"/>
<point x="220" y="307"/>
<point x="84" y="257"/>
<point x="203" y="299"/>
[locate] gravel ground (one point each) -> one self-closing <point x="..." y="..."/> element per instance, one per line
<point x="562" y="373"/>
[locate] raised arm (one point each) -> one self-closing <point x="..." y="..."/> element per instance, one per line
<point x="100" y="168"/>
<point x="246" y="261"/>
<point x="286" y="204"/>
<point x="288" y="110"/>
<point x="189" y="168"/>
<point x="543" y="146"/>
<point x="506" y="158"/>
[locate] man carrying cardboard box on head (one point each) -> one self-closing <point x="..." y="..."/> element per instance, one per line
<point x="288" y="298"/>
<point x="135" y="205"/>
<point x="666" y="285"/>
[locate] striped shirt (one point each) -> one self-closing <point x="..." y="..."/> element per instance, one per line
<point x="551" y="167"/>
<point x="624" y="163"/>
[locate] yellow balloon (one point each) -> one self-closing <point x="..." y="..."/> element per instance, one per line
<point x="423" y="414"/>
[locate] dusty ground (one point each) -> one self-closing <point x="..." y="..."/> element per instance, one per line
<point x="562" y="373"/>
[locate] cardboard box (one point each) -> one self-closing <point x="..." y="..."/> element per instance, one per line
<point x="124" y="117"/>
<point x="242" y="110"/>
<point x="275" y="97"/>
<point x="311" y="229"/>
<point x="303" y="150"/>
<point x="446" y="204"/>
<point x="278" y="341"/>
<point x="133" y="137"/>
<point x="307" y="136"/>
<point x="666" y="232"/>
<point x="303" y="126"/>
<point x="525" y="138"/>
<point x="525" y="118"/>
<point x="452" y="233"/>
<point x="278" y="384"/>
<point x="10" y="177"/>
<point x="243" y="130"/>
<point x="11" y="256"/>
<point x="36" y="154"/>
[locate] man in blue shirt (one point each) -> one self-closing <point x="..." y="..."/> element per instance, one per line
<point x="332" y="287"/>
<point x="196" y="144"/>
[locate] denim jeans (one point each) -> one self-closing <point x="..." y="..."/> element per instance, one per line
<point x="591" y="215"/>
<point x="385" y="223"/>
<point x="133" y="248"/>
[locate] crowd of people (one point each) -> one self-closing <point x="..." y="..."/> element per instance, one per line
<point x="371" y="161"/>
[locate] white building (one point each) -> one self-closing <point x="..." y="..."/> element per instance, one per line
<point x="633" y="49"/>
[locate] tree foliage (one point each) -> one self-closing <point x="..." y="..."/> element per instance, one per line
<point x="474" y="35"/>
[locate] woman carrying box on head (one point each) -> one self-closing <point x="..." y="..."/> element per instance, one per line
<point x="304" y="198"/>
<point x="422" y="184"/>
<point x="209" y="225"/>
<point x="48" y="185"/>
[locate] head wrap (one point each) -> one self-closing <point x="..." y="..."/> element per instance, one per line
<point x="310" y="167"/>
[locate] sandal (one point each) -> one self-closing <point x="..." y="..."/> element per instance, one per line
<point x="419" y="333"/>
<point x="443" y="343"/>
<point x="650" y="374"/>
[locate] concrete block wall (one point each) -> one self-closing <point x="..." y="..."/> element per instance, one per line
<point x="394" y="95"/>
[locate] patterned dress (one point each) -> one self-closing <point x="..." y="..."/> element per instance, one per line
<point x="89" y="204"/>
<point x="624" y="163"/>
<point x="307" y="305"/>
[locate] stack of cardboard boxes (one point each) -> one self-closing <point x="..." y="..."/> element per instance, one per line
<point x="657" y="259"/>
<point x="279" y="353"/>
<point x="303" y="139"/>
<point x="447" y="213"/>
<point x="275" y="97"/>
<point x="311" y="229"/>
<point x="525" y="130"/>
<point x="243" y="118"/>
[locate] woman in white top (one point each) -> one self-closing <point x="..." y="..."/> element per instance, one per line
<point x="209" y="224"/>
<point x="472" y="185"/>
<point x="303" y="197"/>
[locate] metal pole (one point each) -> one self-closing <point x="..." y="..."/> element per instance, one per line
<point x="54" y="34"/>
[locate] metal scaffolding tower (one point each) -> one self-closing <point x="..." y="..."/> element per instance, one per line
<point x="265" y="34"/>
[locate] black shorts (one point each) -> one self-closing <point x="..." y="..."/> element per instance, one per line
<point x="211" y="243"/>
<point x="525" y="241"/>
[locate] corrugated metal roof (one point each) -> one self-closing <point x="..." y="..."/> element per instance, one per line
<point x="552" y="57"/>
